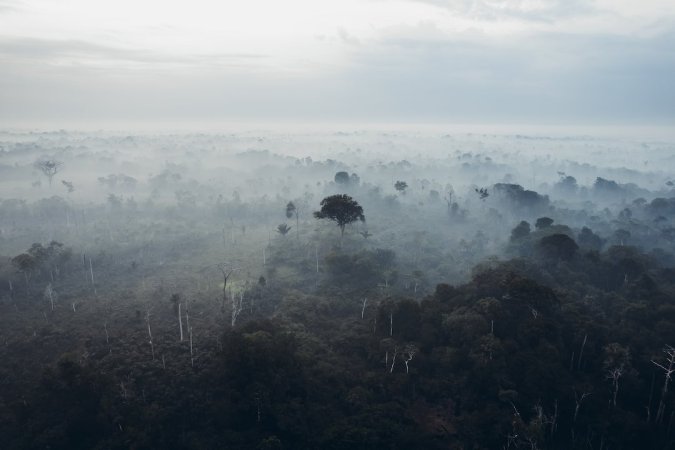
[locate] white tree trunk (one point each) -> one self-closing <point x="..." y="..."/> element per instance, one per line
<point x="393" y="360"/>
<point x="192" y="355"/>
<point x="180" y="323"/>
<point x="152" y="346"/>
<point x="91" y="272"/>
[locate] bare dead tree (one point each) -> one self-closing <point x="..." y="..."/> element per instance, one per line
<point x="237" y="306"/>
<point x="180" y="322"/>
<point x="152" y="346"/>
<point x="614" y="375"/>
<point x="91" y="272"/>
<point x="227" y="269"/>
<point x="648" y="407"/>
<point x="581" y="352"/>
<point x="50" y="294"/>
<point x="49" y="167"/>
<point x="363" y="308"/>
<point x="393" y="360"/>
<point x="408" y="354"/>
<point x="616" y="362"/>
<point x="668" y="371"/>
<point x="192" y="355"/>
<point x="578" y="400"/>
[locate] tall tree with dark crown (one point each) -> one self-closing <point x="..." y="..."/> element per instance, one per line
<point x="341" y="209"/>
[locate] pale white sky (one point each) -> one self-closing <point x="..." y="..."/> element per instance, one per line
<point x="372" y="60"/>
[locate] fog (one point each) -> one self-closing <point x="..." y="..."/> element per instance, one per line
<point x="118" y="194"/>
<point x="320" y="225"/>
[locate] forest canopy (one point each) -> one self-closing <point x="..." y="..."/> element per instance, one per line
<point x="208" y="301"/>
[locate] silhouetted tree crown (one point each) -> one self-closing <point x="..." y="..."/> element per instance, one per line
<point x="342" y="178"/>
<point x="543" y="222"/>
<point x="520" y="231"/>
<point x="291" y="210"/>
<point x="341" y="209"/>
<point x="558" y="246"/>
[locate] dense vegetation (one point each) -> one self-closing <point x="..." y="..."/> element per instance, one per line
<point x="481" y="317"/>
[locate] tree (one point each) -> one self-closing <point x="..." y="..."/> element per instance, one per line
<point x="69" y="185"/>
<point x="670" y="351"/>
<point x="543" y="222"/>
<point x="283" y="229"/>
<point x="293" y="210"/>
<point x="25" y="263"/>
<point x="622" y="236"/>
<point x="227" y="269"/>
<point x="342" y="178"/>
<point x="567" y="184"/>
<point x="558" y="246"/>
<point x="589" y="240"/>
<point x="617" y="360"/>
<point x="401" y="186"/>
<point x="341" y="209"/>
<point x="49" y="167"/>
<point x="520" y="231"/>
<point x="482" y="193"/>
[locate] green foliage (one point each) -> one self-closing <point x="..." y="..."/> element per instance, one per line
<point x="557" y="247"/>
<point x="520" y="231"/>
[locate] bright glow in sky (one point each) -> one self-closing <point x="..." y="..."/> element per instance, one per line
<point x="417" y="60"/>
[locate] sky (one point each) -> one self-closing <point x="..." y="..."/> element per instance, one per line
<point x="405" y="61"/>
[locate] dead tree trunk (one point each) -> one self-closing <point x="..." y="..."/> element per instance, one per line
<point x="180" y="323"/>
<point x="668" y="371"/>
<point x="408" y="354"/>
<point x="107" y="336"/>
<point x="581" y="352"/>
<point x="91" y="271"/>
<point x="578" y="400"/>
<point x="192" y="355"/>
<point x="152" y="346"/>
<point x="227" y="270"/>
<point x="237" y="306"/>
<point x="49" y="294"/>
<point x="393" y="360"/>
<point x="614" y="375"/>
<point x="391" y="323"/>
